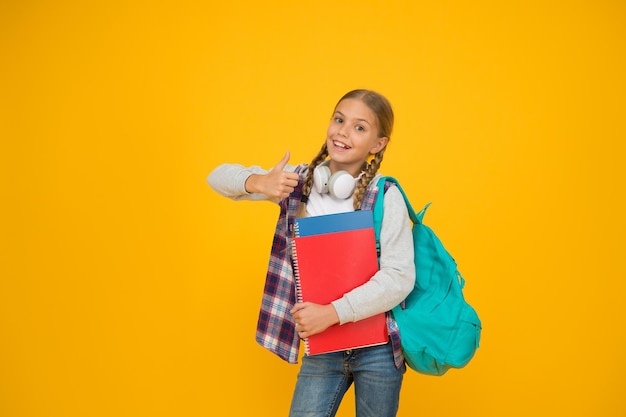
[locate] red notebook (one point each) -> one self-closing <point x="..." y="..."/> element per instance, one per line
<point x="328" y="265"/>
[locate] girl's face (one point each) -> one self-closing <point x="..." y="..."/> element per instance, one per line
<point x="352" y="136"/>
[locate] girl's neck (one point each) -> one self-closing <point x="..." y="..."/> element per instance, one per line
<point x="354" y="169"/>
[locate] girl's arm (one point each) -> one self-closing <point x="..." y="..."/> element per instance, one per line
<point x="385" y="290"/>
<point x="396" y="277"/>
<point x="254" y="183"/>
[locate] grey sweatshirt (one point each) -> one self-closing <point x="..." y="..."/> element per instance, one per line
<point x="396" y="277"/>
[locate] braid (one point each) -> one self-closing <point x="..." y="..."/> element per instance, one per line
<point x="367" y="177"/>
<point x="308" y="181"/>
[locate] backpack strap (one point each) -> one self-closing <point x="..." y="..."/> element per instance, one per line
<point x="416" y="218"/>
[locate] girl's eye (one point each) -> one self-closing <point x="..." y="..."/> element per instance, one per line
<point x="338" y="120"/>
<point x="360" y="128"/>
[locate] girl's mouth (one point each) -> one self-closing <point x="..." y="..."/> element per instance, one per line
<point x="340" y="145"/>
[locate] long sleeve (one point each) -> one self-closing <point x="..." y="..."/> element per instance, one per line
<point x="396" y="277"/>
<point x="229" y="180"/>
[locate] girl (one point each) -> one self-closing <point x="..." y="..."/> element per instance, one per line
<point x="341" y="178"/>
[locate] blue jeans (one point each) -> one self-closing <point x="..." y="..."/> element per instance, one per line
<point x="324" y="379"/>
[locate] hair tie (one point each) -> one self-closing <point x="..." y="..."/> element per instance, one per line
<point x="304" y="199"/>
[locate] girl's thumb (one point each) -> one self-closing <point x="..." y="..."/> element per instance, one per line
<point x="281" y="164"/>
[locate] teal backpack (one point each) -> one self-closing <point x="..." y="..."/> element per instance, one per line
<point x="439" y="330"/>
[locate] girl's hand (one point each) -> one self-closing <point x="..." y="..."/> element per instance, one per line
<point x="313" y="318"/>
<point x="276" y="183"/>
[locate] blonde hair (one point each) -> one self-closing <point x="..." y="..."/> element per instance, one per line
<point x="384" y="115"/>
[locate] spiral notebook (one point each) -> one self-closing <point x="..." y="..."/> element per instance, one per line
<point x="332" y="255"/>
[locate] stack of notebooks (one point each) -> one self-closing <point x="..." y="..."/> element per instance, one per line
<point x="334" y="254"/>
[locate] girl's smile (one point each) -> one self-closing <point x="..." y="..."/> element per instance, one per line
<point x="352" y="136"/>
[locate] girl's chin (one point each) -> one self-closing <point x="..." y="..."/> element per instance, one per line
<point x="338" y="159"/>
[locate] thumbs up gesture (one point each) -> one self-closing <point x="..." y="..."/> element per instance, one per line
<point x="276" y="183"/>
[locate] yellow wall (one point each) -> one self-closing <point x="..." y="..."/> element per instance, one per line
<point x="129" y="288"/>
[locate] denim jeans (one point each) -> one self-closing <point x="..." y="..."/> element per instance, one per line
<point x="324" y="379"/>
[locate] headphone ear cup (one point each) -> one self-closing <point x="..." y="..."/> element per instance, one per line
<point x="341" y="185"/>
<point x="321" y="176"/>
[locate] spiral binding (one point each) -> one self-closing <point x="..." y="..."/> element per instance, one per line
<point x="296" y="273"/>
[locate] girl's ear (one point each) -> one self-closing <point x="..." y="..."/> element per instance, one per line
<point x="380" y="144"/>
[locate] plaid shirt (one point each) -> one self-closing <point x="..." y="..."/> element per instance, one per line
<point x="276" y="328"/>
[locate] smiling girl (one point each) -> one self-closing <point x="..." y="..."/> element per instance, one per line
<point x="341" y="178"/>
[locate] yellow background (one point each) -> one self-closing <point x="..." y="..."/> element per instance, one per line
<point x="129" y="288"/>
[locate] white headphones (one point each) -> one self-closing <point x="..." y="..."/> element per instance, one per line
<point x="340" y="184"/>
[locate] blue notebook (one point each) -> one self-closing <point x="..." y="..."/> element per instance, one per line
<point x="331" y="223"/>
